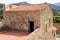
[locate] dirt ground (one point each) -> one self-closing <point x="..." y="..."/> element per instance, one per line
<point x="13" y="35"/>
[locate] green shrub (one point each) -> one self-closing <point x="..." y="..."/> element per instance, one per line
<point x="56" y="19"/>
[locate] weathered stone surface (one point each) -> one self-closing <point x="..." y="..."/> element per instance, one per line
<point x="20" y="20"/>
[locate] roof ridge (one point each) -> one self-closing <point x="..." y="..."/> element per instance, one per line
<point x="29" y="7"/>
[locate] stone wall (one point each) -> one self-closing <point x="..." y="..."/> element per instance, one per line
<point x="46" y="21"/>
<point x="20" y="20"/>
<point x="38" y="34"/>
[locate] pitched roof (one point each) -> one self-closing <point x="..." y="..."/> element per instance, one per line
<point x="29" y="7"/>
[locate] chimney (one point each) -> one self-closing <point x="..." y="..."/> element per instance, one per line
<point x="10" y="5"/>
<point x="7" y="6"/>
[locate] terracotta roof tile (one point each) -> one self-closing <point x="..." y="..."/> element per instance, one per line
<point x="54" y="28"/>
<point x="28" y="7"/>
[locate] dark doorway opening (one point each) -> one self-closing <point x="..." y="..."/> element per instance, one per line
<point x="31" y="23"/>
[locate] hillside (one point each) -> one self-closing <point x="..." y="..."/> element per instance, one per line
<point x="20" y="3"/>
<point x="58" y="4"/>
<point x="53" y="6"/>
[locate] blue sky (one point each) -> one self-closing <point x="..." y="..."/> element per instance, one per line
<point x="29" y="1"/>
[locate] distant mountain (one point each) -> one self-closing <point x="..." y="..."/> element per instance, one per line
<point x="57" y="4"/>
<point x="20" y="3"/>
<point x="54" y="6"/>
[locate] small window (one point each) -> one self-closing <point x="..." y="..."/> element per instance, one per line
<point x="46" y="27"/>
<point x="49" y="22"/>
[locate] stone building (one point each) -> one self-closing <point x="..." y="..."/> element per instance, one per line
<point x="30" y="17"/>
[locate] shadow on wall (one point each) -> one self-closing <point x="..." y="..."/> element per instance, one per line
<point x="5" y="30"/>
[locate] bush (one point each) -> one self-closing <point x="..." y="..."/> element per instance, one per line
<point x="56" y="20"/>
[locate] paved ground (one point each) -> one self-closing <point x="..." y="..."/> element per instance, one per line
<point x="57" y="36"/>
<point x="12" y="35"/>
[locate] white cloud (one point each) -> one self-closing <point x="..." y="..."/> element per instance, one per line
<point x="29" y="1"/>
